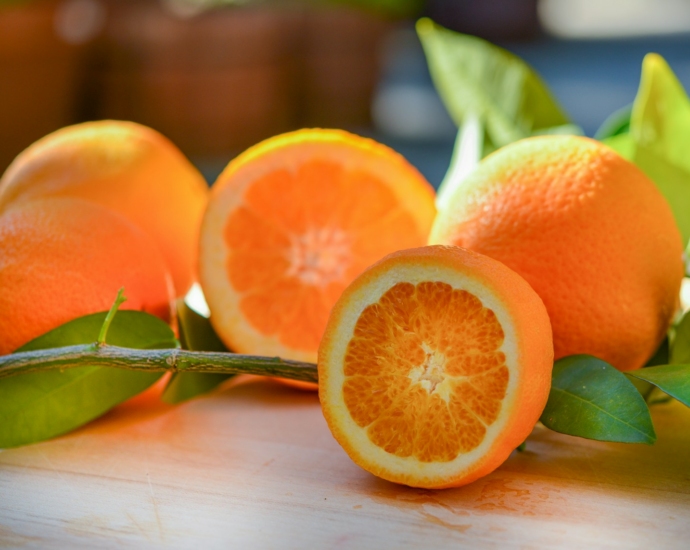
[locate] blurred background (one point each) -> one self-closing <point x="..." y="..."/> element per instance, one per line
<point x="217" y="76"/>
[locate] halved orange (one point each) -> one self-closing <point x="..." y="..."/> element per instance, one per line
<point x="291" y="222"/>
<point x="435" y="365"/>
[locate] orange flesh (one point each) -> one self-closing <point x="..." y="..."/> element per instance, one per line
<point x="424" y="373"/>
<point x="297" y="240"/>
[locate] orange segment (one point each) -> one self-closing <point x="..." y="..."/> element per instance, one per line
<point x="291" y="222"/>
<point x="435" y="364"/>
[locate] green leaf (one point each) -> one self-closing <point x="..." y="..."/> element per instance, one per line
<point x="661" y="355"/>
<point x="672" y="180"/>
<point x="616" y="123"/>
<point x="590" y="398"/>
<point x="671" y="379"/>
<point x="196" y="331"/>
<point x="644" y="388"/>
<point x="658" y="136"/>
<point x="623" y="144"/>
<point x="476" y="78"/>
<point x="680" y="346"/>
<point x="563" y="130"/>
<point x="41" y="405"/>
<point x="467" y="152"/>
<point x="196" y="334"/>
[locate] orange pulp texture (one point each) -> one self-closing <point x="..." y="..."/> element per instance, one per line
<point x="127" y="167"/>
<point x="588" y="230"/>
<point x="435" y="364"/>
<point x="291" y="222"/>
<point x="64" y="258"/>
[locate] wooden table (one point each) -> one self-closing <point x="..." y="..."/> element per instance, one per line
<point x="254" y="466"/>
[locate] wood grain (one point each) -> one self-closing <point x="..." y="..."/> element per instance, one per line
<point x="254" y="466"/>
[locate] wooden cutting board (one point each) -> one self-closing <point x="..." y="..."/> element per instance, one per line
<point x="254" y="466"/>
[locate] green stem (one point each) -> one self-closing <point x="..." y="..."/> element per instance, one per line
<point x="467" y="153"/>
<point x="111" y="314"/>
<point x="156" y="360"/>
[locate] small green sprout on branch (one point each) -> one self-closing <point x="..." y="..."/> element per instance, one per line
<point x="119" y="300"/>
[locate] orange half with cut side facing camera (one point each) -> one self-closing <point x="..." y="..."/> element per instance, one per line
<point x="434" y="366"/>
<point x="291" y="222"/>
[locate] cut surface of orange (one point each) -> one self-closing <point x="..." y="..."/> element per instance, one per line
<point x="291" y="222"/>
<point x="434" y="366"/>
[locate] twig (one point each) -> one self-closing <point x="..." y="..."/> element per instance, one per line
<point x="157" y="360"/>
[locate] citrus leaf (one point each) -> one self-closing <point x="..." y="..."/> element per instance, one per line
<point x="476" y="78"/>
<point x="129" y="329"/>
<point x="680" y="348"/>
<point x="671" y="379"/>
<point x="644" y="388"/>
<point x="196" y="334"/>
<point x="467" y="152"/>
<point x="590" y="398"/>
<point x="41" y="405"/>
<point x="623" y="144"/>
<point x="188" y="385"/>
<point x="658" y="136"/>
<point x="661" y="355"/>
<point x="616" y="123"/>
<point x="563" y="130"/>
<point x="196" y="331"/>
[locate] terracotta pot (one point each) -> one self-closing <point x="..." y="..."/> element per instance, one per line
<point x="341" y="66"/>
<point x="39" y="77"/>
<point x="214" y="83"/>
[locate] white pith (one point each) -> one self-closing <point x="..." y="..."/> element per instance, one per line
<point x="320" y="256"/>
<point x="405" y="467"/>
<point x="430" y="375"/>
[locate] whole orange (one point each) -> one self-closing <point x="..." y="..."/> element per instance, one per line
<point x="127" y="167"/>
<point x="588" y="230"/>
<point x="64" y="258"/>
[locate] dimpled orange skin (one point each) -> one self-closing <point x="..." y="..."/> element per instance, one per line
<point x="64" y="258"/>
<point x="588" y="230"/>
<point x="127" y="167"/>
<point x="534" y="344"/>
